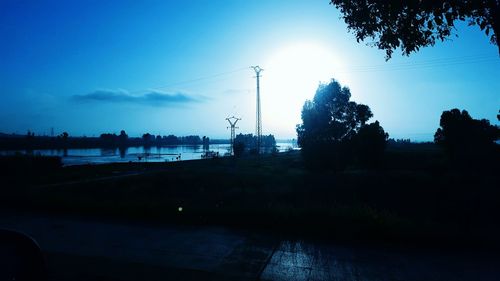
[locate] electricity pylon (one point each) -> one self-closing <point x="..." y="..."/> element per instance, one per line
<point x="232" y="122"/>
<point x="258" y="122"/>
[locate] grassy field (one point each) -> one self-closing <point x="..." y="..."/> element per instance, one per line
<point x="413" y="197"/>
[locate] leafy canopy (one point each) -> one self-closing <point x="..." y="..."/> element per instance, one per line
<point x="459" y="131"/>
<point x="330" y="116"/>
<point x="334" y="132"/>
<point x="469" y="143"/>
<point x="412" y="24"/>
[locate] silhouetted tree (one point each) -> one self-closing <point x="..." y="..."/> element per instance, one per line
<point x="64" y="141"/>
<point x="268" y="143"/>
<point x="122" y="139"/>
<point x="398" y="141"/>
<point x="238" y="149"/>
<point x="329" y="124"/>
<point x="123" y="151"/>
<point x="108" y="140"/>
<point x="413" y="24"/>
<point x="206" y="142"/>
<point x="363" y="114"/>
<point x="158" y="140"/>
<point x="466" y="139"/>
<point x="191" y="140"/>
<point x="147" y="139"/>
<point x="30" y="135"/>
<point x="171" y="140"/>
<point x="248" y="140"/>
<point x="369" y="144"/>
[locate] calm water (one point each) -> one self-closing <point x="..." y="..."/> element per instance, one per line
<point x="133" y="154"/>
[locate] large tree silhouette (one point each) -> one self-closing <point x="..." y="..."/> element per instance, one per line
<point x="329" y="133"/>
<point x="467" y="140"/>
<point x="412" y="24"/>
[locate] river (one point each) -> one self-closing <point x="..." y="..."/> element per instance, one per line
<point x="80" y="156"/>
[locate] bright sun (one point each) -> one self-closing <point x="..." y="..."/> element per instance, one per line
<point x="292" y="76"/>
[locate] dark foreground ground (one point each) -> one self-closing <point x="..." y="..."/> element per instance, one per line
<point x="416" y="216"/>
<point x="87" y="249"/>
<point x="414" y="196"/>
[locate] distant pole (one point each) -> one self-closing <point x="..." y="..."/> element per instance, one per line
<point x="258" y="122"/>
<point x="232" y="122"/>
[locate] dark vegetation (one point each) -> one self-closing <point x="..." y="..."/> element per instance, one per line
<point x="105" y="140"/>
<point x="335" y="133"/>
<point x="415" y="195"/>
<point x="410" y="25"/>
<point x="247" y="144"/>
<point x="27" y="166"/>
<point x="348" y="181"/>
<point x="470" y="143"/>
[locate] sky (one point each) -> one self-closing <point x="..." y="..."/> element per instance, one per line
<point x="182" y="67"/>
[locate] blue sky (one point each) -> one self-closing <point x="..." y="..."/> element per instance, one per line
<point x="182" y="67"/>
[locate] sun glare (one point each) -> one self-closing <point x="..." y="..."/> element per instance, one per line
<point x="292" y="76"/>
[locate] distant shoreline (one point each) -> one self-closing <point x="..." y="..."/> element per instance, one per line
<point x="31" y="142"/>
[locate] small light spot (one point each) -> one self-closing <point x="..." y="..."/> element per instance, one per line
<point x="179" y="209"/>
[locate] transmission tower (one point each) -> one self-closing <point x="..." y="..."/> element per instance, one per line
<point x="258" y="122"/>
<point x="232" y="122"/>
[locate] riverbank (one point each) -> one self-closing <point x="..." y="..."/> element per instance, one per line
<point x="414" y="198"/>
<point x="170" y="153"/>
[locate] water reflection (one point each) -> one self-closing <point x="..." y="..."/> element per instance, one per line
<point x="79" y="156"/>
<point x="300" y="260"/>
<point x="123" y="152"/>
<point x="107" y="152"/>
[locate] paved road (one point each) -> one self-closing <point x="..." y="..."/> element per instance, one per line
<point x="313" y="261"/>
<point x="83" y="249"/>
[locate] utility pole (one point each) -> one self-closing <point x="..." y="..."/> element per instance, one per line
<point x="258" y="123"/>
<point x="232" y="122"/>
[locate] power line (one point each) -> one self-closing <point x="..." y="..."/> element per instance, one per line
<point x="433" y="63"/>
<point x="437" y="60"/>
<point x="430" y="63"/>
<point x="413" y="67"/>
<point x="424" y="64"/>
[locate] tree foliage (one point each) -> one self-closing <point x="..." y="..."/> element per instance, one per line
<point x="334" y="128"/>
<point x="330" y="116"/>
<point x="249" y="141"/>
<point x="465" y="138"/>
<point x="412" y="24"/>
<point x="238" y="149"/>
<point x="370" y="143"/>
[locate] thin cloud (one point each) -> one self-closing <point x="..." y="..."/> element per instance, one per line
<point x="152" y="98"/>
